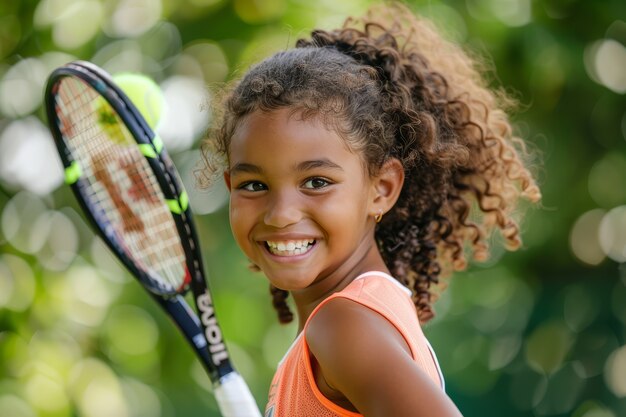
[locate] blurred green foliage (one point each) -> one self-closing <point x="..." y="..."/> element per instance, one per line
<point x="539" y="332"/>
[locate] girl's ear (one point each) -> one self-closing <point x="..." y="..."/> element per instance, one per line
<point x="227" y="179"/>
<point x="387" y="186"/>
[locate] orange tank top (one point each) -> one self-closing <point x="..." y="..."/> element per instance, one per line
<point x="294" y="393"/>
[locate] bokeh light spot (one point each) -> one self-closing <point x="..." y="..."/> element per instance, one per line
<point x="14" y="406"/>
<point x="563" y="390"/>
<point x="162" y="43"/>
<point x="615" y="372"/>
<point x="21" y="88"/>
<point x="49" y="11"/>
<point x="599" y="412"/>
<point x="17" y="283"/>
<point x="467" y="352"/>
<point x="46" y="393"/>
<point x="547" y="347"/>
<point x="67" y="18"/>
<point x="592" y="348"/>
<point x="120" y="56"/>
<point x="17" y="216"/>
<point x="69" y="30"/>
<point x="605" y="61"/>
<point x="82" y="296"/>
<point x="472" y="376"/>
<point x="142" y="400"/>
<point x="132" y="18"/>
<point x="579" y="308"/>
<point x="252" y="11"/>
<point x="131" y="330"/>
<point x="204" y="60"/>
<point x="187" y="115"/>
<point x="55" y="348"/>
<point x="108" y="265"/>
<point x="512" y="12"/>
<point x="57" y="238"/>
<point x="612" y="234"/>
<point x="606" y="180"/>
<point x="96" y="390"/>
<point x="28" y="159"/>
<point x="503" y="350"/>
<point x="54" y="59"/>
<point x="584" y="240"/>
<point x="592" y="408"/>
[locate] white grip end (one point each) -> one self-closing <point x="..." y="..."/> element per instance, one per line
<point x="234" y="397"/>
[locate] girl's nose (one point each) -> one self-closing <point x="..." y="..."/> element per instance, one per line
<point x="282" y="211"/>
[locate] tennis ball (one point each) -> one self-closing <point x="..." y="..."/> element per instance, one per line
<point x="144" y="93"/>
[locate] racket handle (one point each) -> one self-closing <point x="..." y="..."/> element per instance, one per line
<point x="234" y="397"/>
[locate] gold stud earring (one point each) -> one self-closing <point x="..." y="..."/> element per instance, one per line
<point x="378" y="216"/>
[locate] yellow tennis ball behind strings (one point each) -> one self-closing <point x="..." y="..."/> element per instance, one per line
<point x="143" y="92"/>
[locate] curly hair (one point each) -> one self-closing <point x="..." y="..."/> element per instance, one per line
<point x="393" y="87"/>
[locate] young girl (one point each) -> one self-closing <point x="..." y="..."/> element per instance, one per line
<point x="362" y="164"/>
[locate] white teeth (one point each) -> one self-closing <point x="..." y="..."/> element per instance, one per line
<point x="290" y="247"/>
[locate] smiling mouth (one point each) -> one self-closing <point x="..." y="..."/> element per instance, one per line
<point x="290" y="247"/>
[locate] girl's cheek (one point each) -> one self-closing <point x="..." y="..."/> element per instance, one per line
<point x="242" y="218"/>
<point x="238" y="206"/>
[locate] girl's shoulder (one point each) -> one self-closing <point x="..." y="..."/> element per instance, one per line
<point x="359" y="322"/>
<point x="336" y="329"/>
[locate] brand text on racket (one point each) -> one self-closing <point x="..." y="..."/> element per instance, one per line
<point x="212" y="332"/>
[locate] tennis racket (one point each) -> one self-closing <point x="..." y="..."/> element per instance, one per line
<point x="128" y="187"/>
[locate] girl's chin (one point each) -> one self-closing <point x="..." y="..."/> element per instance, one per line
<point x="289" y="282"/>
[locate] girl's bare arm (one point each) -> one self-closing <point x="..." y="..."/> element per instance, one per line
<point x="359" y="355"/>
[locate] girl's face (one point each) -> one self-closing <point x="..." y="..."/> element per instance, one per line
<point x="301" y="201"/>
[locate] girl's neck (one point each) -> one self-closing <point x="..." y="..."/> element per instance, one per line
<point x="308" y="299"/>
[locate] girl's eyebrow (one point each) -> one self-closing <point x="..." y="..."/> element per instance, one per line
<point x="244" y="167"/>
<point x="318" y="163"/>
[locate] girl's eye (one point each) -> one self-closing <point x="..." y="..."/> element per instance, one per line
<point x="253" y="186"/>
<point x="315" y="183"/>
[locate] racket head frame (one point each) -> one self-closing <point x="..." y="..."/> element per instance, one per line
<point x="159" y="162"/>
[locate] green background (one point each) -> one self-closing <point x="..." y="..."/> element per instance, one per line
<point x="538" y="332"/>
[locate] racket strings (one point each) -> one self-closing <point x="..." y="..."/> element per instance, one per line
<point x="119" y="183"/>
